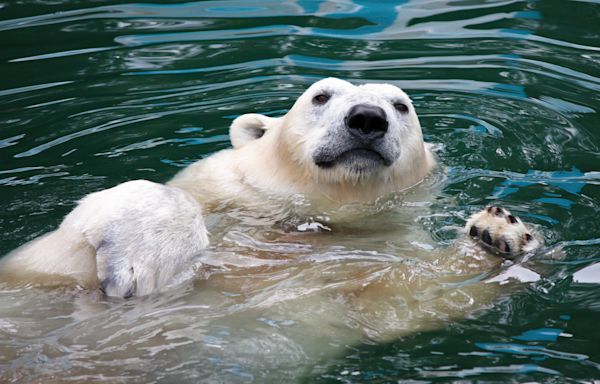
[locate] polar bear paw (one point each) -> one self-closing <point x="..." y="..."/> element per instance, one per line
<point x="501" y="232"/>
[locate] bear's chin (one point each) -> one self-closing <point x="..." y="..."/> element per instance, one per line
<point x="358" y="160"/>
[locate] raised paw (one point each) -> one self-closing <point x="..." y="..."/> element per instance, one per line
<point x="500" y="231"/>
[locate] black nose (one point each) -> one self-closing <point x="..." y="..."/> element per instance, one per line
<point x="367" y="122"/>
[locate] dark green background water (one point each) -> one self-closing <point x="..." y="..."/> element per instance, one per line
<point x="94" y="93"/>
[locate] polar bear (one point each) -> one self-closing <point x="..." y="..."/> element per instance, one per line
<point x="339" y="144"/>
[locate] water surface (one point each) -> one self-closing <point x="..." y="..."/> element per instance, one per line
<point x="96" y="93"/>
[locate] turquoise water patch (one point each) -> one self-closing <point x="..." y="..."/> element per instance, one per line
<point x="541" y="334"/>
<point x="94" y="94"/>
<point x="571" y="182"/>
<point x="534" y="351"/>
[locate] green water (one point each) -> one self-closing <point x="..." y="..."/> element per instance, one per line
<point x="99" y="92"/>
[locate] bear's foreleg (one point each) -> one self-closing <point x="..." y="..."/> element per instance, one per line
<point x="132" y="239"/>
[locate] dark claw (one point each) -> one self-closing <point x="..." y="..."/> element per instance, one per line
<point x="108" y="285"/>
<point x="473" y="231"/>
<point x="528" y="237"/>
<point x="512" y="219"/>
<point x="486" y="238"/>
<point x="131" y="291"/>
<point x="495" y="211"/>
<point x="104" y="284"/>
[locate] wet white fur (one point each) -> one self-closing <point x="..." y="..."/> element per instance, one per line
<point x="138" y="234"/>
<point x="249" y="127"/>
<point x="281" y="162"/>
<point x="135" y="237"/>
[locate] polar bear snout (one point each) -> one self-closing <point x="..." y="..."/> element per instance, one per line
<point x="367" y="122"/>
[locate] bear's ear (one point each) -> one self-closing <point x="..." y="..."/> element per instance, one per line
<point x="249" y="127"/>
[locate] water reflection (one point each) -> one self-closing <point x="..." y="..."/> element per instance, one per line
<point x="158" y="57"/>
<point x="96" y="94"/>
<point x="588" y="275"/>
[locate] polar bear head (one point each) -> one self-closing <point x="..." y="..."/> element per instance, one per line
<point x="339" y="133"/>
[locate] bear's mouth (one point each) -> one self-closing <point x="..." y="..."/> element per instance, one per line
<point x="360" y="159"/>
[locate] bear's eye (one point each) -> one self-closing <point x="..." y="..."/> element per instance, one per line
<point x="401" y="107"/>
<point x="321" y="99"/>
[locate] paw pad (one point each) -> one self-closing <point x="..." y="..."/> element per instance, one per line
<point x="501" y="231"/>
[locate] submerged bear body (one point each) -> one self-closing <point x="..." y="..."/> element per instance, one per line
<point x="339" y="145"/>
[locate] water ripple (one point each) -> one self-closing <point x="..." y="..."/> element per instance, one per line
<point x="93" y="95"/>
